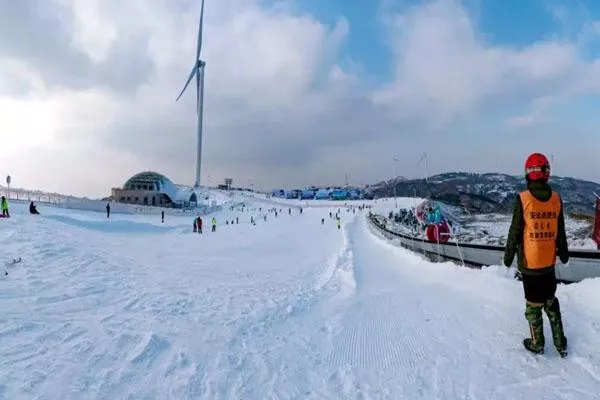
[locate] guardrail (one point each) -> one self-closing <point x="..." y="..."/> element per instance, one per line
<point x="583" y="264"/>
<point x="80" y="203"/>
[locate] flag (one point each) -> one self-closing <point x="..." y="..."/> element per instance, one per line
<point x="596" y="234"/>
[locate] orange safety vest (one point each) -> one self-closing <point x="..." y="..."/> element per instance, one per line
<point x="541" y="230"/>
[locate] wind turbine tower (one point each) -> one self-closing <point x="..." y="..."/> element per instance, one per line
<point x="198" y="72"/>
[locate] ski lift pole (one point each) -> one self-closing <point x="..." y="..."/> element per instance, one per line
<point x="437" y="238"/>
<point x="8" y="180"/>
<point x="394" y="180"/>
<point x="462" y="260"/>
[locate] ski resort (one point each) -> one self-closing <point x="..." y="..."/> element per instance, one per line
<point x="415" y="214"/>
<point x="285" y="307"/>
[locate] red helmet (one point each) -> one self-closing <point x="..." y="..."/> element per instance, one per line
<point x="537" y="167"/>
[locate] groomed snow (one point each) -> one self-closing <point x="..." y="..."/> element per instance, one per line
<point x="287" y="309"/>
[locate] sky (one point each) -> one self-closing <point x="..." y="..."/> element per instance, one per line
<point x="298" y="92"/>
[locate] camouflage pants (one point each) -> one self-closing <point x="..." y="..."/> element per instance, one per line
<point x="533" y="314"/>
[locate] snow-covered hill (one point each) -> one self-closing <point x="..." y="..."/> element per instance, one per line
<point x="490" y="193"/>
<point x="130" y="308"/>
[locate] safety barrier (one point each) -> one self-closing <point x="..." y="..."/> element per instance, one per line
<point x="583" y="264"/>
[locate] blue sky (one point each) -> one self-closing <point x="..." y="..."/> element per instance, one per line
<point x="514" y="23"/>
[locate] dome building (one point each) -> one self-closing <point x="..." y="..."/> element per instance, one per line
<point x="153" y="189"/>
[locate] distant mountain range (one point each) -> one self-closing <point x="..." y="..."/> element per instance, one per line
<point x="487" y="193"/>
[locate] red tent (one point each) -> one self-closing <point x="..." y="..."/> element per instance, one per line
<point x="596" y="234"/>
<point x="439" y="233"/>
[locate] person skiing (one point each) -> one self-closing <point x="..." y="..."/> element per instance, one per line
<point x="214" y="224"/>
<point x="199" y="224"/>
<point x="322" y="221"/>
<point x="338" y="222"/>
<point x="4" y="207"/>
<point x="536" y="236"/>
<point x="162" y="216"/>
<point x="107" y="210"/>
<point x="32" y="208"/>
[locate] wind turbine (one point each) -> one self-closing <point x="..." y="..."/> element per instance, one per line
<point x="198" y="72"/>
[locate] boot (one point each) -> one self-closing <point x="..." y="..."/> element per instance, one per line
<point x="552" y="308"/>
<point x="533" y="314"/>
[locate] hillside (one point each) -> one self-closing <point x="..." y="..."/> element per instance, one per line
<point x="488" y="193"/>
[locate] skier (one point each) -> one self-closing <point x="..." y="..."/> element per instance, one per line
<point x="4" y="207"/>
<point x="338" y="222"/>
<point x="162" y="216"/>
<point x="199" y="224"/>
<point x="107" y="210"/>
<point x="237" y="220"/>
<point x="32" y="208"/>
<point x="289" y="211"/>
<point x="536" y="236"/>
<point x="322" y="221"/>
<point x="214" y="224"/>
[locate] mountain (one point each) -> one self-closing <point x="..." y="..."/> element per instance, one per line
<point x="488" y="193"/>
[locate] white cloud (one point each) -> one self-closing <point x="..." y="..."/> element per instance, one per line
<point x="279" y="106"/>
<point x="445" y="69"/>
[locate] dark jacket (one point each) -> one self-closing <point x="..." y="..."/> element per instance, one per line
<point x="542" y="192"/>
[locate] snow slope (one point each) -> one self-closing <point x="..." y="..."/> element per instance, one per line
<point x="287" y="309"/>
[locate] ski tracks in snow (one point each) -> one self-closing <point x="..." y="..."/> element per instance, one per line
<point x="269" y="313"/>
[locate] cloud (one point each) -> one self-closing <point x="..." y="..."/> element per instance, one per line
<point x="446" y="70"/>
<point x="279" y="106"/>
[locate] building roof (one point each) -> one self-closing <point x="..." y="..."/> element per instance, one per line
<point x="153" y="181"/>
<point x="145" y="178"/>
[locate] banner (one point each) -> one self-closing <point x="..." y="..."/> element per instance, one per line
<point x="596" y="234"/>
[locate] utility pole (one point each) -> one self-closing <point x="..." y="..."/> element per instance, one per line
<point x="394" y="180"/>
<point x="8" y="179"/>
<point x="424" y="157"/>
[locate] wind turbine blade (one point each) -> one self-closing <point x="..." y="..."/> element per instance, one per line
<point x="200" y="31"/>
<point x="188" y="81"/>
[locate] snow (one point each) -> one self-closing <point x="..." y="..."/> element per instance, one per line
<point x="289" y="309"/>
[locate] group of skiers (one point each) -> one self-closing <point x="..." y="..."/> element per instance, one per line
<point x="407" y="218"/>
<point x="6" y="213"/>
<point x="197" y="226"/>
